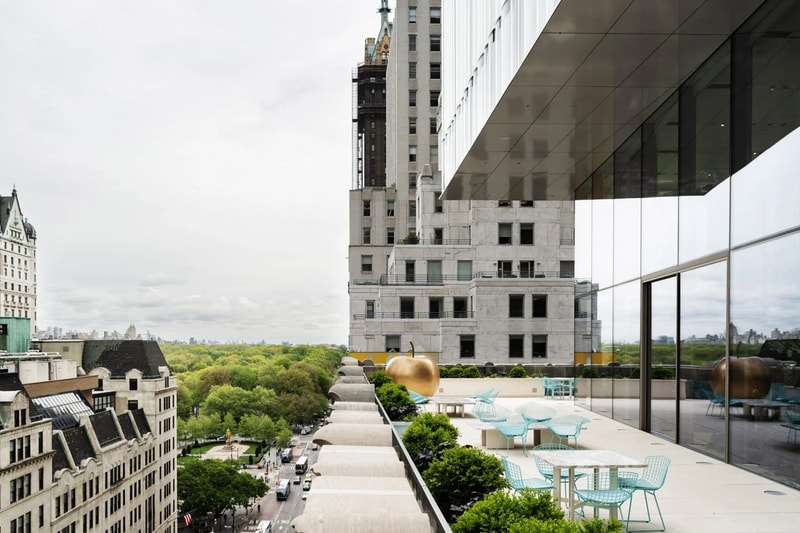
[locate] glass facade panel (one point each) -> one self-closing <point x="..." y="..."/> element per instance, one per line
<point x="583" y="231"/>
<point x="660" y="189"/>
<point x="702" y="345"/>
<point x="626" y="343"/>
<point x="602" y="225"/>
<point x="627" y="209"/>
<point x="662" y="356"/>
<point x="765" y="323"/>
<point x="704" y="130"/>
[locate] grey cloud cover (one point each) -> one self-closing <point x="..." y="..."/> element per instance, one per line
<point x="185" y="163"/>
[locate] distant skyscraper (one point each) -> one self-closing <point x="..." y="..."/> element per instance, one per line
<point x="18" y="275"/>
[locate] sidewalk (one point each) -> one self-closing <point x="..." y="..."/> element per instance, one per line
<point x="701" y="494"/>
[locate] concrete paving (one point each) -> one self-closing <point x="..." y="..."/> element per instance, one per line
<point x="701" y="494"/>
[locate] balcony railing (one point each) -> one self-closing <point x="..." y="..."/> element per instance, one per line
<point x="437" y="242"/>
<point x="410" y="315"/>
<point x="441" y="279"/>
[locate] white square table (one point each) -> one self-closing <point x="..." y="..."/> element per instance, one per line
<point x="573" y="459"/>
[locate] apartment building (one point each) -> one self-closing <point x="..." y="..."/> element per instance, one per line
<point x="675" y="128"/>
<point x="88" y="447"/>
<point x="465" y="281"/>
<point x="18" y="274"/>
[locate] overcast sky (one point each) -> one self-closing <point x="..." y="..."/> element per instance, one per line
<point x="185" y="163"/>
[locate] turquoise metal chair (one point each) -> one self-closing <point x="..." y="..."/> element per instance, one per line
<point x="551" y="388"/>
<point x="607" y="491"/>
<point x="567" y="427"/>
<point x="652" y="479"/>
<point x="518" y="483"/>
<point x="418" y="398"/>
<point x="546" y="470"/>
<point x="510" y="429"/>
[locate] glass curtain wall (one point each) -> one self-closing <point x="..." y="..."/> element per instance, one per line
<point x="697" y="211"/>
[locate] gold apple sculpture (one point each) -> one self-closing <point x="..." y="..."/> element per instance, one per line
<point x="750" y="378"/>
<point x="420" y="374"/>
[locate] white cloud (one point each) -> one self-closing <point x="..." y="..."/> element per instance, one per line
<point x="184" y="163"/>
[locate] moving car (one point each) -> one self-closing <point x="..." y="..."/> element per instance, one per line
<point x="297" y="480"/>
<point x="306" y="485"/>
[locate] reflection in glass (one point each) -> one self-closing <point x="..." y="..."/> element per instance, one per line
<point x="583" y="231"/>
<point x="626" y="348"/>
<point x="765" y="322"/>
<point x="702" y="327"/>
<point x="704" y="163"/>
<point x="660" y="188"/>
<point x="600" y="388"/>
<point x="603" y="225"/>
<point x="663" y="357"/>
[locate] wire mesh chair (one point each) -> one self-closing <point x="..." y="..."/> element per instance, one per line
<point x="607" y="491"/>
<point x="567" y="427"/>
<point x="512" y="427"/>
<point x="546" y="469"/>
<point x="517" y="482"/>
<point x="652" y="479"/>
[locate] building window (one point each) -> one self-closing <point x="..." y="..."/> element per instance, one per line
<point x="370" y="309"/>
<point x="133" y="405"/>
<point x="412" y="125"/>
<point x="436" y="43"/>
<point x="434" y="155"/>
<point x="434" y="271"/>
<point x="407" y="307"/>
<point x="393" y="343"/>
<point x="504" y="269"/>
<point x="389" y="208"/>
<point x="516" y="306"/>
<point x="412" y="70"/>
<point x="435" y="307"/>
<point x="436" y="15"/>
<point x="133" y="384"/>
<point x="526" y="269"/>
<point x="438" y="205"/>
<point x="366" y="263"/>
<point x="412" y="180"/>
<point x="526" y="233"/>
<point x="412" y="153"/>
<point x="464" y="270"/>
<point x="389" y="235"/>
<point x="460" y="307"/>
<point x="412" y="98"/>
<point x="504" y="233"/>
<point x="365" y="235"/>
<point x="539" y="345"/>
<point x="566" y="269"/>
<point x="412" y="42"/>
<point x="410" y="272"/>
<point x="438" y="235"/>
<point x="539" y="306"/>
<point x="436" y="71"/>
<point x="366" y="208"/>
<point x="516" y="345"/>
<point x="434" y="99"/>
<point x="412" y="14"/>
<point x="467" y="345"/>
<point x="412" y="208"/>
<point x="432" y="126"/>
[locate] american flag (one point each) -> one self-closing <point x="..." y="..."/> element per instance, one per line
<point x="187" y="519"/>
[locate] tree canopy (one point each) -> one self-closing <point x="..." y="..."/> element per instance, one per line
<point x="213" y="486"/>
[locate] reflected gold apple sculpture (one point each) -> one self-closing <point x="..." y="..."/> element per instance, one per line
<point x="419" y="374"/>
<point x="750" y="378"/>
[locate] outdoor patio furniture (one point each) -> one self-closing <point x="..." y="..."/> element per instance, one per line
<point x="607" y="490"/>
<point x="567" y="427"/>
<point x="546" y="470"/>
<point x="510" y="429"/>
<point x="651" y="479"/>
<point x="536" y="416"/>
<point x="716" y="399"/>
<point x="518" y="483"/>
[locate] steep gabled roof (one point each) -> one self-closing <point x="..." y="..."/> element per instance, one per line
<point x="121" y="356"/>
<point x="105" y="428"/>
<point x="79" y="444"/>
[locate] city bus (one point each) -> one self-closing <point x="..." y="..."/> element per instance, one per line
<point x="301" y="465"/>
